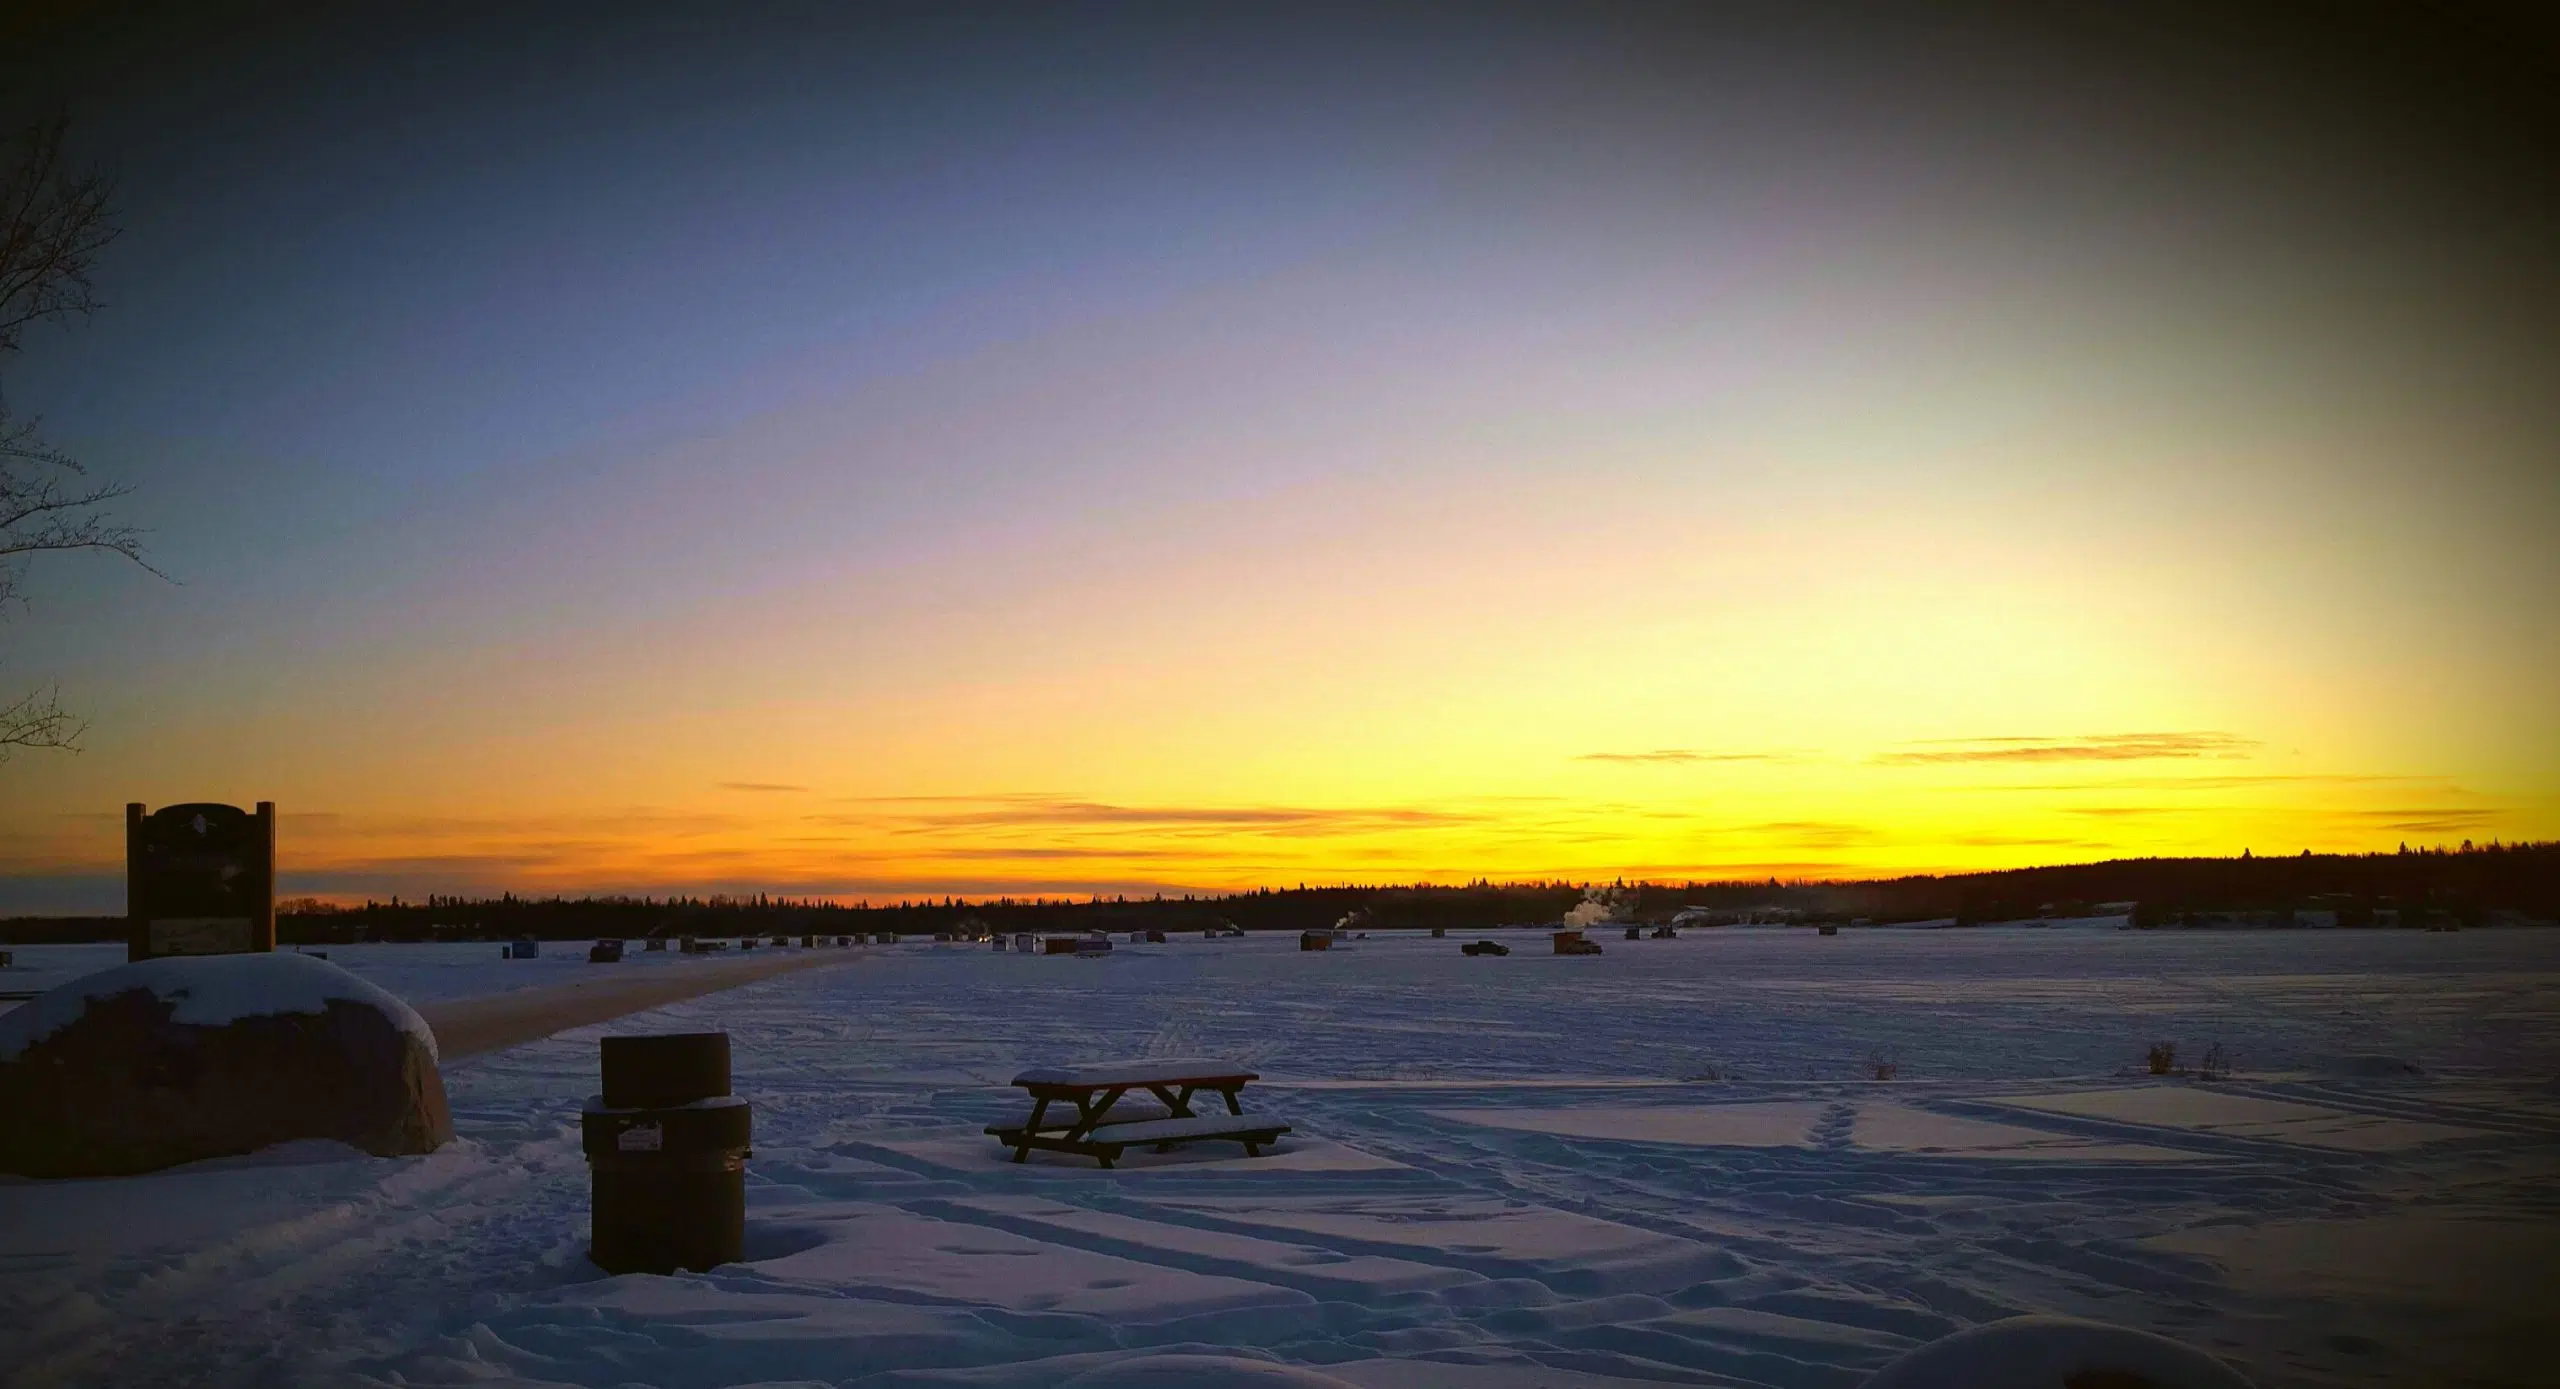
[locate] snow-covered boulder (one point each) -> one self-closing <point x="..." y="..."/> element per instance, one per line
<point x="2043" y="1352"/>
<point x="165" y="1061"/>
<point x="1180" y="1371"/>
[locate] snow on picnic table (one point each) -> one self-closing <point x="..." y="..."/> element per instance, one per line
<point x="1668" y="1164"/>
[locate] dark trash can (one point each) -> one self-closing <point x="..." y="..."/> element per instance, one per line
<point x="667" y="1149"/>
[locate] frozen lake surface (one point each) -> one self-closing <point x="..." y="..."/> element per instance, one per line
<point x="418" y="973"/>
<point x="1673" y="1163"/>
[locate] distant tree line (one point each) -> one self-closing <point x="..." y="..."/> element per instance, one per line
<point x="2468" y="885"/>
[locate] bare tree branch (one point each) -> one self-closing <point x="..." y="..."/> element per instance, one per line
<point x="38" y="720"/>
<point x="39" y="511"/>
<point x="53" y="224"/>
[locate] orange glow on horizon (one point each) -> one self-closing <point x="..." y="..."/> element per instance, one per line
<point x="1222" y="700"/>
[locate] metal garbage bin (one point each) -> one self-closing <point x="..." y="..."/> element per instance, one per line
<point x="667" y="1149"/>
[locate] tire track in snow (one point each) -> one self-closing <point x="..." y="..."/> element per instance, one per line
<point x="295" y="1292"/>
<point x="1827" y="1237"/>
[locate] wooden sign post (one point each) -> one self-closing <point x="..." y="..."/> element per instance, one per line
<point x="199" y="879"/>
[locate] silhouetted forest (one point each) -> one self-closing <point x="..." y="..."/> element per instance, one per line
<point x="2472" y="886"/>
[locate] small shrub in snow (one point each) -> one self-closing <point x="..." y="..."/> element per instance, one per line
<point x="2217" y="1063"/>
<point x="1882" y="1067"/>
<point x="2163" y="1058"/>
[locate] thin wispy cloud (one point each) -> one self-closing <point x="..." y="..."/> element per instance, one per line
<point x="759" y="786"/>
<point x="956" y="798"/>
<point x="1822" y="834"/>
<point x="1038" y="812"/>
<point x="1101" y="853"/>
<point x="618" y="821"/>
<point x="2211" y="783"/>
<point x="2426" y="819"/>
<point x="1673" y="757"/>
<point x="2102" y="747"/>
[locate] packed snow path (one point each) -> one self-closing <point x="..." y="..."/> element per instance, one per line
<point x="494" y="1022"/>
<point x="1669" y="1164"/>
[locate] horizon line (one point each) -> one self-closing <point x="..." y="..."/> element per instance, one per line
<point x="296" y="903"/>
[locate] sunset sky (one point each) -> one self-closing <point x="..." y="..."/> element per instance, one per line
<point x="1064" y="451"/>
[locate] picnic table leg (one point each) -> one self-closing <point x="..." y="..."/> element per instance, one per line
<point x="1179" y="1105"/>
<point x="1232" y="1106"/>
<point x="1089" y="1112"/>
<point x="1030" y="1127"/>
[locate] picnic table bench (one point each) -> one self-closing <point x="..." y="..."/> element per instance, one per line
<point x="1085" y="1096"/>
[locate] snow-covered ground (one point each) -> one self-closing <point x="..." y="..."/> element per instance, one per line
<point x="1672" y="1163"/>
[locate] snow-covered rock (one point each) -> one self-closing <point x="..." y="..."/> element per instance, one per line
<point x="2055" y="1353"/>
<point x="209" y="991"/>
<point x="1202" y="1372"/>
<point x="171" y="1060"/>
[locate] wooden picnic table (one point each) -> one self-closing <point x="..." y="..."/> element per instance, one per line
<point x="1089" y="1092"/>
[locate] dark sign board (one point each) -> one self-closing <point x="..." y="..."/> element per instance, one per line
<point x="199" y="879"/>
